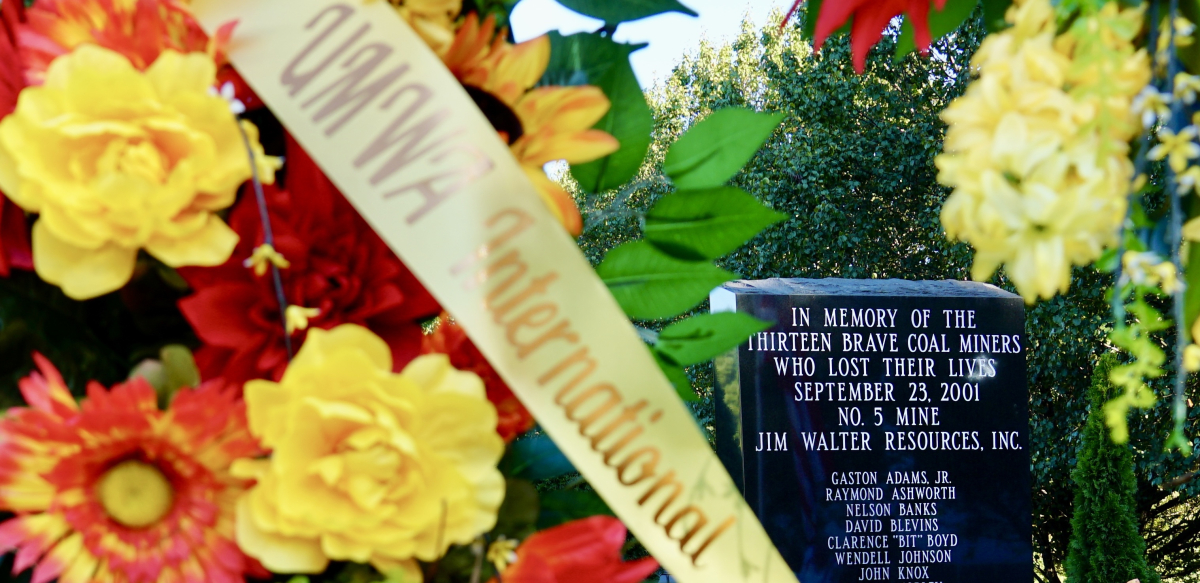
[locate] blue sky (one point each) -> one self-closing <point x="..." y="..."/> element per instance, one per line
<point x="670" y="35"/>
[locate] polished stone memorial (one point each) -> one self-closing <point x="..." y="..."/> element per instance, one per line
<point x="880" y="429"/>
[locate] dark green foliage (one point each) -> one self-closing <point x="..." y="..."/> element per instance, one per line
<point x="498" y="9"/>
<point x="101" y="339"/>
<point x="852" y="168"/>
<point x="535" y="457"/>
<point x="1105" y="544"/>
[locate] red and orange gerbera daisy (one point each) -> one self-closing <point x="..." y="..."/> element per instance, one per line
<point x="117" y="490"/>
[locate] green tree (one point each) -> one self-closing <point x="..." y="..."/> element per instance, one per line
<point x="1106" y="546"/>
<point x="852" y="166"/>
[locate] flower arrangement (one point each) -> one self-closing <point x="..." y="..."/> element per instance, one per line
<point x="299" y="402"/>
<point x="302" y="400"/>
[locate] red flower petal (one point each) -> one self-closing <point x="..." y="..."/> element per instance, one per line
<point x="45" y="390"/>
<point x="582" y="551"/>
<point x="14" y="237"/>
<point x="871" y="18"/>
<point x="217" y="314"/>
<point x="12" y="74"/>
<point x="338" y="265"/>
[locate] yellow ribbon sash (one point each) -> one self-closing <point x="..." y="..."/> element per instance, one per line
<point x="398" y="135"/>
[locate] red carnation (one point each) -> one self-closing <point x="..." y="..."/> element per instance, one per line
<point x="449" y="338"/>
<point x="14" y="238"/>
<point x="582" y="551"/>
<point x="338" y="265"/>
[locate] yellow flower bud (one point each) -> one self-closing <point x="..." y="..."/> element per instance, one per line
<point x="261" y="256"/>
<point x="297" y="317"/>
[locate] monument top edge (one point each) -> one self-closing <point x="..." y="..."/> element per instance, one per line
<point x="866" y="287"/>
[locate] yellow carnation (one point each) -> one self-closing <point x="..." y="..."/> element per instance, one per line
<point x="367" y="465"/>
<point x="116" y="160"/>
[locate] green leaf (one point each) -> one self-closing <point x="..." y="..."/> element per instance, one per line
<point x="1191" y="294"/>
<point x="712" y="151"/>
<point x="36" y="316"/>
<point x="180" y="367"/>
<point x="401" y="576"/>
<point x="1108" y="260"/>
<point x="518" y="513"/>
<point x="584" y="58"/>
<point x="1190" y="54"/>
<point x="811" y="10"/>
<point x="702" y="337"/>
<point x="1137" y="214"/>
<point x="650" y="284"/>
<point x="590" y="59"/>
<point x="561" y="506"/>
<point x="1148" y="316"/>
<point x="535" y="458"/>
<point x="1133" y="242"/>
<point x="993" y="14"/>
<point x="941" y="23"/>
<point x="677" y="376"/>
<point x="500" y="9"/>
<point x="707" y="224"/>
<point x="615" y="11"/>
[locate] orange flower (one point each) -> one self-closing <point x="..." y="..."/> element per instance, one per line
<point x="117" y="490"/>
<point x="541" y="125"/>
<point x="481" y="58"/>
<point x="557" y="124"/>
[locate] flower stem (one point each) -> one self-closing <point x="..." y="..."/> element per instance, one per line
<point x="1175" y="243"/>
<point x="268" y="238"/>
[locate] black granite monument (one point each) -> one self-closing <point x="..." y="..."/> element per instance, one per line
<point x="880" y="429"/>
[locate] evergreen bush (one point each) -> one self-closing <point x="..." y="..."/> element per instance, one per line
<point x="1106" y="546"/>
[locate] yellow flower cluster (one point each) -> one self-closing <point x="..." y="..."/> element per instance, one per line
<point x="1149" y="269"/>
<point x="116" y="160"/>
<point x="1037" y="148"/>
<point x="367" y="465"/>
